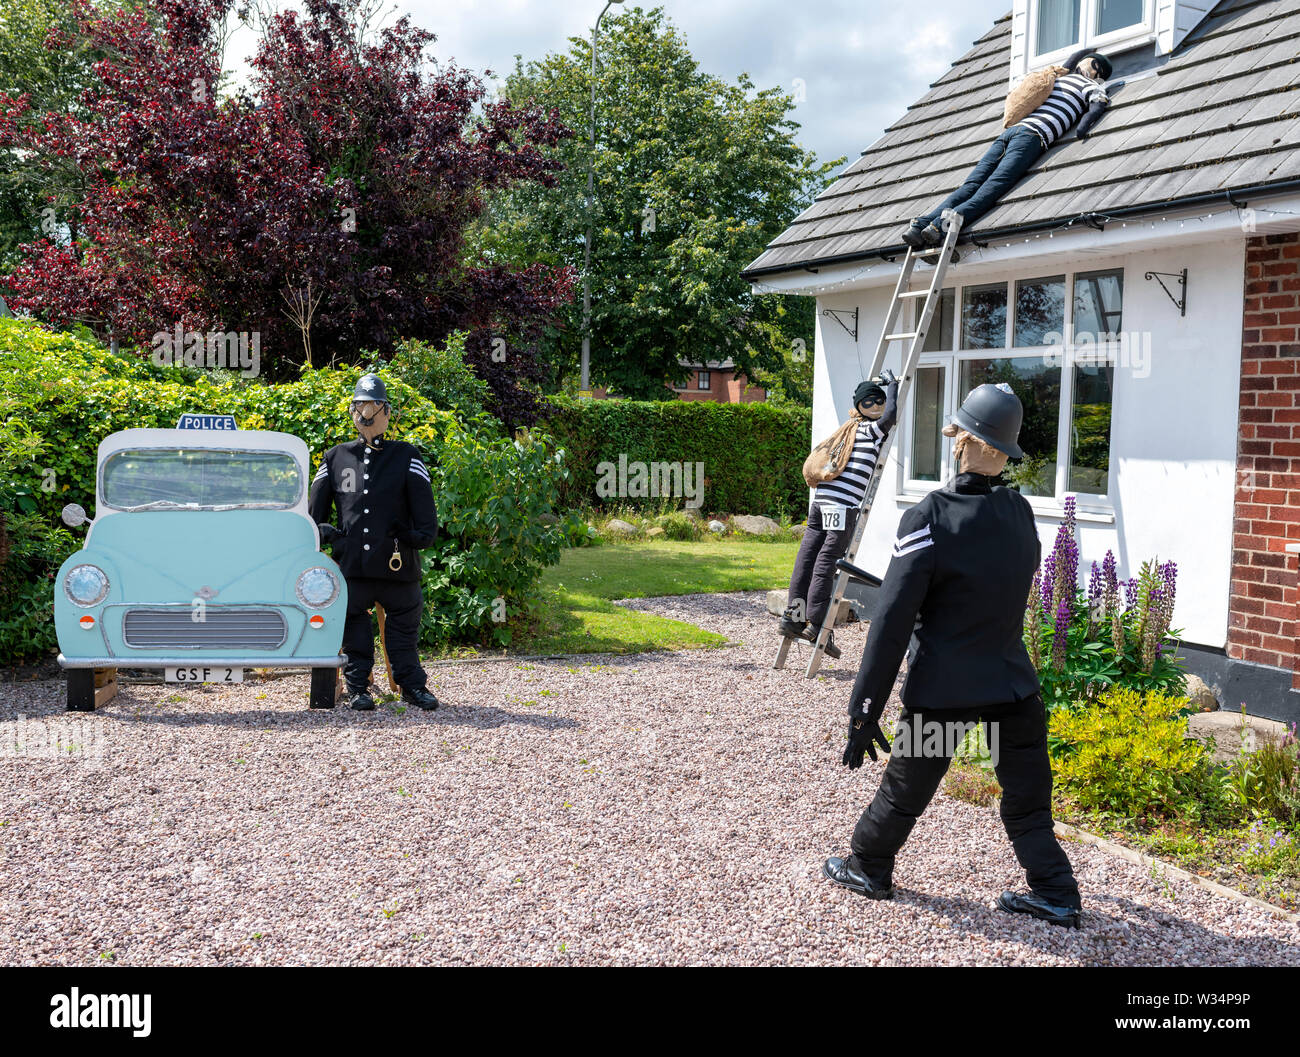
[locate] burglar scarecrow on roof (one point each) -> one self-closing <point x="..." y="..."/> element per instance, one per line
<point x="1042" y="108"/>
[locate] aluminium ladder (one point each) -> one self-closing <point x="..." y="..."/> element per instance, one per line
<point x="847" y="569"/>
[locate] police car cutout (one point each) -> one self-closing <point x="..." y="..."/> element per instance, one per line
<point x="201" y="561"/>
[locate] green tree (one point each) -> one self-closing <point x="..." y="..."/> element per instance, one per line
<point x="693" y="177"/>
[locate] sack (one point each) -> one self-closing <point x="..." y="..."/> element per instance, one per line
<point x="1030" y="93"/>
<point x="829" y="458"/>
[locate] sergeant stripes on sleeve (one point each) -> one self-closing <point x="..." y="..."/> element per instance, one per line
<point x="913" y="541"/>
<point x="418" y="468"/>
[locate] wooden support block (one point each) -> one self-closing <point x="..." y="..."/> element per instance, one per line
<point x="105" y="686"/>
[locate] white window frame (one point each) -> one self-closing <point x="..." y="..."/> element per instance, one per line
<point x="1128" y="36"/>
<point x="1090" y="506"/>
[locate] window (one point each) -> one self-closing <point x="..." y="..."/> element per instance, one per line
<point x="1053" y="339"/>
<point x="984" y="317"/>
<point x="927" y="420"/>
<point x="702" y="380"/>
<point x="1061" y="26"/>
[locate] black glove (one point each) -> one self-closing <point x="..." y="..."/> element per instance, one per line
<point x="328" y="533"/>
<point x="890" y="415"/>
<point x="864" y="735"/>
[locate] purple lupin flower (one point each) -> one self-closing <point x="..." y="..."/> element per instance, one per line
<point x="1047" y="587"/>
<point x="1060" y="632"/>
<point x="1130" y="591"/>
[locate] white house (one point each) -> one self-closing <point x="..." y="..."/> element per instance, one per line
<point x="1140" y="290"/>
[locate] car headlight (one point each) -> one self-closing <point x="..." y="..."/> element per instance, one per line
<point x="86" y="585"/>
<point x="317" y="587"/>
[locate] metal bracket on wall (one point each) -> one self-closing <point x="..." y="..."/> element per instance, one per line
<point x="835" y="314"/>
<point x="1180" y="302"/>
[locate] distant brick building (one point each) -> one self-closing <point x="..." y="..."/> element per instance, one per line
<point x="719" y="382"/>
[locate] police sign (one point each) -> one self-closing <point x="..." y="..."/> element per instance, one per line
<point x="193" y="421"/>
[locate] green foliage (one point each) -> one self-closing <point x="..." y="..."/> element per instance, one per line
<point x="61" y="396"/>
<point x="1267" y="781"/>
<point x="752" y="453"/>
<point x="693" y="177"/>
<point x="440" y="375"/>
<point x="1128" y="756"/>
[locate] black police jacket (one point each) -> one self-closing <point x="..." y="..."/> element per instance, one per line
<point x="956" y="589"/>
<point x="385" y="503"/>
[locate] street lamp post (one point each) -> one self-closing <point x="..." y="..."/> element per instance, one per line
<point x="584" y="389"/>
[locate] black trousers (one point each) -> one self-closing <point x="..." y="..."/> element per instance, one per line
<point x="813" y="578"/>
<point x="1024" y="772"/>
<point x="403" y="602"/>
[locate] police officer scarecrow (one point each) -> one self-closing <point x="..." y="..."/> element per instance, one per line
<point x="833" y="511"/>
<point x="956" y="588"/>
<point x="386" y="516"/>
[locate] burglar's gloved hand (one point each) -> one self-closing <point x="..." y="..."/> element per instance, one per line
<point x="328" y="533"/>
<point x="864" y="735"/>
<point x="890" y="415"/>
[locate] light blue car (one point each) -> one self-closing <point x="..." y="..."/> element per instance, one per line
<point x="201" y="561"/>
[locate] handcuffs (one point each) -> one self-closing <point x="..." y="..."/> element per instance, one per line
<point x="395" y="562"/>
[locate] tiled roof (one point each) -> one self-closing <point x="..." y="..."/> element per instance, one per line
<point x="1221" y="114"/>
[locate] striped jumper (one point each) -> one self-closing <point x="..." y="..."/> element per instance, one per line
<point x="849" y="487"/>
<point x="1071" y="96"/>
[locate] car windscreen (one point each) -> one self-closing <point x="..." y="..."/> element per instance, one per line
<point x="200" y="478"/>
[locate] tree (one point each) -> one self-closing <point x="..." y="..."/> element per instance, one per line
<point x="694" y="177"/>
<point x="346" y="169"/>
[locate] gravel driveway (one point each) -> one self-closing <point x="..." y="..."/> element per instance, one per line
<point x="661" y="808"/>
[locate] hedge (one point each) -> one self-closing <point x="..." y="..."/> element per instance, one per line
<point x="752" y="453"/>
<point x="61" y="396"/>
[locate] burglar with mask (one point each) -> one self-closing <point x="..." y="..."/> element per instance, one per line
<point x="833" y="513"/>
<point x="956" y="587"/>
<point x="386" y="516"/>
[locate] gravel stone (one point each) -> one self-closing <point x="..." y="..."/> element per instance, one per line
<point x="666" y="808"/>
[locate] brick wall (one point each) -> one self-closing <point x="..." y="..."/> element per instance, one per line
<point x="1264" y="619"/>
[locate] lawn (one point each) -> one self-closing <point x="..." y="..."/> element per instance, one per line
<point x="576" y="613"/>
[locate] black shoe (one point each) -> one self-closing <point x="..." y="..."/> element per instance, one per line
<point x="912" y="236"/>
<point x="421" y="698"/>
<point x="793" y="629"/>
<point x="832" y="650"/>
<point x="1038" y="907"/>
<point x="362" y="702"/>
<point x="842" y="872"/>
<point x="932" y="235"/>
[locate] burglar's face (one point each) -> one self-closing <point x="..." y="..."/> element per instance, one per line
<point x="1089" y="69"/>
<point x="377" y="414"/>
<point x="872" y="407"/>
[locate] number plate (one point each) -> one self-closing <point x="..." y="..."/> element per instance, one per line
<point x="833" y="517"/>
<point x="203" y="675"/>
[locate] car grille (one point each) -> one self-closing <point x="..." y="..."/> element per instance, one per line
<point x="222" y="629"/>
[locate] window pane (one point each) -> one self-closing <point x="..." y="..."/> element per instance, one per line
<point x="1090" y="427"/>
<point x="939" y="337"/>
<point x="927" y="443"/>
<point x="984" y="316"/>
<point x="1058" y="24"/>
<point x="1116" y="14"/>
<point x="1098" y="306"/>
<point x="1039" y="387"/>
<point x="1040" y="312"/>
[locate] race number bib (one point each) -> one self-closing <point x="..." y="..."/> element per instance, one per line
<point x="833" y="517"/>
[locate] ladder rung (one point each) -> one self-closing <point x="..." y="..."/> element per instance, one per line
<point x="900" y="337"/>
<point x="914" y="293"/>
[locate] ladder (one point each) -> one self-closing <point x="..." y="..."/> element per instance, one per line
<point x="847" y="569"/>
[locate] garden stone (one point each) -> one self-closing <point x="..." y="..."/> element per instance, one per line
<point x="1229" y="736"/>
<point x="717" y="526"/>
<point x="1200" y="695"/>
<point x="693" y="513"/>
<point x="777" y="600"/>
<point x="656" y="531"/>
<point x="620" y="526"/>
<point x="797" y="531"/>
<point x="756" y="525"/>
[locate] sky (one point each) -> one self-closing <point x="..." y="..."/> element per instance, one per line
<point x="855" y="66"/>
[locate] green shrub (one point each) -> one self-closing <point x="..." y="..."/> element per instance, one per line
<point x="440" y="375"/>
<point x="62" y="395"/>
<point x="677" y="526"/>
<point x="752" y="453"/>
<point x="1128" y="755"/>
<point x="1267" y="781"/>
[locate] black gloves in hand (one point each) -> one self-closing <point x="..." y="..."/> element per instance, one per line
<point x="890" y="414"/>
<point x="328" y="533"/>
<point x="864" y="735"/>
